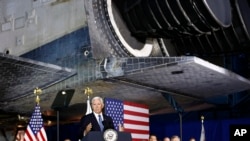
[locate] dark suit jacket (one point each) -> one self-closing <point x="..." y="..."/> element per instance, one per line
<point x="90" y="118"/>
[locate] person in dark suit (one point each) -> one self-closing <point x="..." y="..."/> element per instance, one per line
<point x="91" y="122"/>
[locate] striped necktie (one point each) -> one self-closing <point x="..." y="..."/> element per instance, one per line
<point x="100" y="122"/>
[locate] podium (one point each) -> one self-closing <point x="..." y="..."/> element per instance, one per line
<point x="98" y="136"/>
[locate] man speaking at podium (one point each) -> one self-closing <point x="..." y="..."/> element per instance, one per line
<point x="97" y="120"/>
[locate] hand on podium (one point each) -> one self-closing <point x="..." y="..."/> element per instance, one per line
<point x="88" y="128"/>
<point x="121" y="128"/>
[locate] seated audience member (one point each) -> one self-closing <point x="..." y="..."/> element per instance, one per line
<point x="192" y="139"/>
<point x="152" y="137"/>
<point x="166" y="139"/>
<point x="175" y="138"/>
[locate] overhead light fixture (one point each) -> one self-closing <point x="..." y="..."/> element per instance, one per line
<point x="63" y="93"/>
<point x="62" y="99"/>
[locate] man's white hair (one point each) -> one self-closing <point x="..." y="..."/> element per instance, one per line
<point x="97" y="98"/>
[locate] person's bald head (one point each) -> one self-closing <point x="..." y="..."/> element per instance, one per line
<point x="166" y="139"/>
<point x="152" y="137"/>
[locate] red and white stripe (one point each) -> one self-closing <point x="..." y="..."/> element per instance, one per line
<point x="136" y="120"/>
<point x="40" y="136"/>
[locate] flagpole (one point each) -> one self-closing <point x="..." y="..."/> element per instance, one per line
<point x="180" y="116"/>
<point x="202" y="137"/>
<point x="57" y="124"/>
<point x="37" y="92"/>
<point x="88" y="92"/>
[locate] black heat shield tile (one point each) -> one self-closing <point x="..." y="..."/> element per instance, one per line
<point x="20" y="76"/>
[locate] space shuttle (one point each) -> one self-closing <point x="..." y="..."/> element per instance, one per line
<point x="173" y="55"/>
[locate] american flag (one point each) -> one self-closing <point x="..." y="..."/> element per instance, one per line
<point x="134" y="117"/>
<point x="35" y="130"/>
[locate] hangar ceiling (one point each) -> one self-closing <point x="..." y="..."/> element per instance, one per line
<point x="136" y="56"/>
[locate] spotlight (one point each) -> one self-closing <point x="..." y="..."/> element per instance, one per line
<point x="63" y="92"/>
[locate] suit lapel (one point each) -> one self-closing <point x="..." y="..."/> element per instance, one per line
<point x="95" y="124"/>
